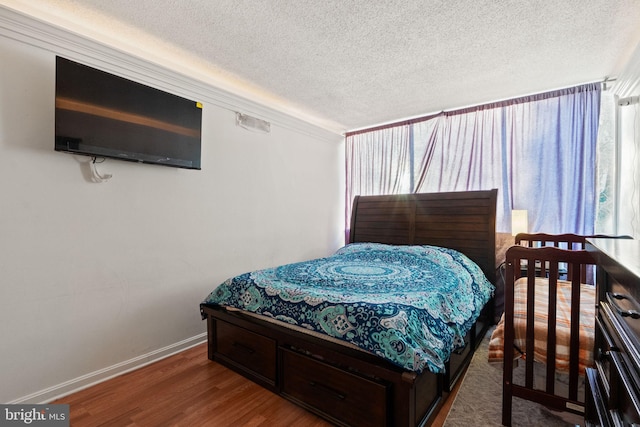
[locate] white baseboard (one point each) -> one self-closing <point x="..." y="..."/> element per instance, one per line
<point x="52" y="393"/>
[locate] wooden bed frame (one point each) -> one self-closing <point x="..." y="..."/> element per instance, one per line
<point x="344" y="385"/>
<point x="545" y="258"/>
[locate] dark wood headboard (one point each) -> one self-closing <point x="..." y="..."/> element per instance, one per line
<point x="464" y="221"/>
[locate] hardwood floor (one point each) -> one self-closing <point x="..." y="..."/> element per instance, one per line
<point x="188" y="389"/>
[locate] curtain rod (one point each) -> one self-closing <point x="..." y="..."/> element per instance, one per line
<point x="405" y="122"/>
<point x="493" y="104"/>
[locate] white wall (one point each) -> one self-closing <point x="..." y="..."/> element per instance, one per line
<point x="627" y="91"/>
<point x="98" y="278"/>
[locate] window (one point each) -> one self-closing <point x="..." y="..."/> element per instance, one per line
<point x="539" y="151"/>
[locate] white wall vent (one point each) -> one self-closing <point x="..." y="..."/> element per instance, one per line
<point x="252" y="123"/>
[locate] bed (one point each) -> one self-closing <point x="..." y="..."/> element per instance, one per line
<point x="348" y="384"/>
<point x="550" y="277"/>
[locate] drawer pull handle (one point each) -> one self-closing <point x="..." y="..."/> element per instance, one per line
<point x="243" y="347"/>
<point x="327" y="389"/>
<point x="634" y="314"/>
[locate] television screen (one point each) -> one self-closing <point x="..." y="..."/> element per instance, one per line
<point x="99" y="114"/>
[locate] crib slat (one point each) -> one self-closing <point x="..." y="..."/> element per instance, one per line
<point x="507" y="374"/>
<point x="530" y="340"/>
<point x="574" y="355"/>
<point x="551" y="327"/>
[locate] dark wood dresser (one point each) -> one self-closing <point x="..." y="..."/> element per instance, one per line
<point x="613" y="384"/>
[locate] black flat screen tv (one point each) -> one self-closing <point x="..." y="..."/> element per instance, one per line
<point x="102" y="115"/>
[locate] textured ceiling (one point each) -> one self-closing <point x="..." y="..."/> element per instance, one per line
<point x="350" y="64"/>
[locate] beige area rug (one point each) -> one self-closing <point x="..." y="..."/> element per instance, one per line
<point x="479" y="400"/>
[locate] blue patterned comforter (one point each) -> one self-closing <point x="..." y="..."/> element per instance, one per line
<point x="411" y="305"/>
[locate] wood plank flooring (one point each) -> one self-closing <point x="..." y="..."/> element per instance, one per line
<point x="187" y="389"/>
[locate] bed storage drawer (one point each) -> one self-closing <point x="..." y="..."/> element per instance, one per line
<point x="245" y="350"/>
<point x="346" y="398"/>
<point x="457" y="362"/>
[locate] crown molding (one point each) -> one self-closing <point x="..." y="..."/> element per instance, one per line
<point x="627" y="82"/>
<point x="61" y="41"/>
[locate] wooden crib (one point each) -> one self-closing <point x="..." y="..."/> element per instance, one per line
<point x="551" y="277"/>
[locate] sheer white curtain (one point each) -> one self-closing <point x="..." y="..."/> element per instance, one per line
<point x="539" y="151"/>
<point x="552" y="144"/>
<point x="463" y="152"/>
<point x="378" y="162"/>
<point x="606" y="221"/>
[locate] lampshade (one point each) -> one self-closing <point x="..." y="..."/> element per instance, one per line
<point x="519" y="221"/>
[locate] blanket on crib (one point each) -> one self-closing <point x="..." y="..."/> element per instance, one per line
<point x="563" y="319"/>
